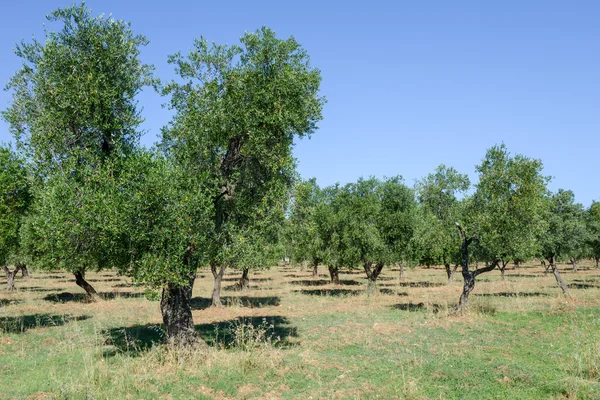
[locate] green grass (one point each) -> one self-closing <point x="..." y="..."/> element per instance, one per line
<point x="521" y="339"/>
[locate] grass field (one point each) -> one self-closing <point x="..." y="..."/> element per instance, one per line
<point x="294" y="336"/>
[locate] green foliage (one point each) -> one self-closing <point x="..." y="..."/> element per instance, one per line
<point x="14" y="201"/>
<point x="75" y="91"/>
<point x="302" y="225"/>
<point x="73" y="113"/>
<point x="436" y="240"/>
<point x="235" y="122"/>
<point x="367" y="222"/>
<point x="506" y="210"/>
<point x="566" y="232"/>
<point x="163" y="219"/>
<point x="593" y="228"/>
<point x="71" y="224"/>
<point x="397" y="220"/>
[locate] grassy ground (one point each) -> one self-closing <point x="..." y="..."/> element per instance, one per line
<point x="294" y="336"/>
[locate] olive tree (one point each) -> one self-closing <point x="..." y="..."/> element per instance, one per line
<point x="73" y="113"/>
<point x="440" y="208"/>
<point x="14" y="201"/>
<point x="397" y="221"/>
<point x="162" y="219"/>
<point x="366" y="224"/>
<point x="506" y="212"/>
<point x="236" y="116"/>
<point x="593" y="228"/>
<point x="565" y="232"/>
<point x="305" y="241"/>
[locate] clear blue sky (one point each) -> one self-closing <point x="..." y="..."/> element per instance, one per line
<point x="409" y="85"/>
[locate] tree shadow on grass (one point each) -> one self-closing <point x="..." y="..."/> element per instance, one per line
<point x="423" y="284"/>
<point x="392" y="292"/>
<point x="201" y="303"/>
<point x="330" y="292"/>
<point x="8" y="302"/>
<point x="82" y="297"/>
<point x="255" y="330"/>
<point x="582" y="286"/>
<point x="319" y="282"/>
<point x="49" y="277"/>
<point x="105" y="280"/>
<point x="133" y="340"/>
<point x="39" y="289"/>
<point x="412" y="307"/>
<point x="512" y="294"/>
<point x="21" y="324"/>
<point x="522" y="276"/>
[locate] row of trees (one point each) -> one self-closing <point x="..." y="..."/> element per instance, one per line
<point x="510" y="214"/>
<point x="81" y="193"/>
<point x="219" y="190"/>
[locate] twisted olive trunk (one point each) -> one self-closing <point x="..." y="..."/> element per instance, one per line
<point x="502" y="268"/>
<point x="175" y="306"/>
<point x="468" y="276"/>
<point x="218" y="276"/>
<point x="24" y="271"/>
<point x="334" y="273"/>
<point x="315" y="271"/>
<point x="10" y="276"/>
<point x="244" y="282"/>
<point x="450" y="271"/>
<point x="82" y="283"/>
<point x="561" y="283"/>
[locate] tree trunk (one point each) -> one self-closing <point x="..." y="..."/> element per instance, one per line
<point x="335" y="275"/>
<point x="516" y="264"/>
<point x="597" y="262"/>
<point x="218" y="275"/>
<point x="546" y="267"/>
<point x="315" y="271"/>
<point x="175" y="306"/>
<point x="372" y="273"/>
<point x="574" y="264"/>
<point x="244" y="281"/>
<point x="469" y="277"/>
<point x="450" y="271"/>
<point x="10" y="276"/>
<point x="559" y="280"/>
<point x="82" y="283"/>
<point x="24" y="271"/>
<point x="502" y="267"/>
<point x="401" y="271"/>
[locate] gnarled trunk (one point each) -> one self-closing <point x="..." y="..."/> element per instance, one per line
<point x="218" y="275"/>
<point x="24" y="271"/>
<point x="335" y="275"/>
<point x="10" y="276"/>
<point x="315" y="271"/>
<point x="450" y="271"/>
<point x="546" y="267"/>
<point x="502" y="268"/>
<point x="244" y="281"/>
<point x="574" y="264"/>
<point x="468" y="276"/>
<point x="557" y="276"/>
<point x="372" y="274"/>
<point x="401" y="271"/>
<point x="82" y="283"/>
<point x="175" y="306"/>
